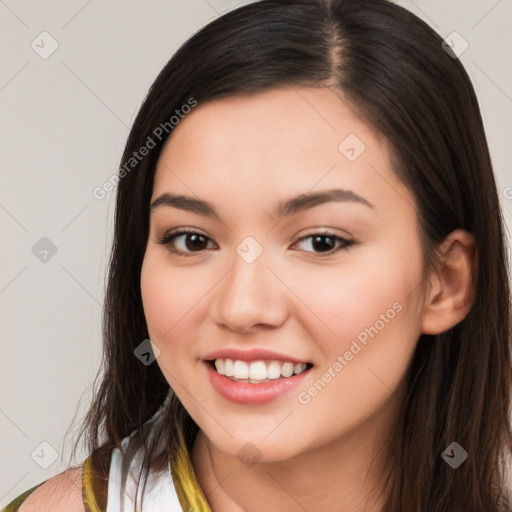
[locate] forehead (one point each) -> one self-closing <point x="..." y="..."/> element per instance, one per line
<point x="274" y="143"/>
<point x="283" y="123"/>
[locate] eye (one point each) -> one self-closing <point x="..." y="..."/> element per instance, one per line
<point x="191" y="242"/>
<point x="326" y="243"/>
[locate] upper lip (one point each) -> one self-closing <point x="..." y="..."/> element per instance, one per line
<point x="253" y="354"/>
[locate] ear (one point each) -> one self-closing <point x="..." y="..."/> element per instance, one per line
<point x="451" y="291"/>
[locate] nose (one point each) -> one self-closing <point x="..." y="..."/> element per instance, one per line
<point x="250" y="297"/>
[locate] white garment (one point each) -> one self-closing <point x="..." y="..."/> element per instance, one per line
<point x="160" y="494"/>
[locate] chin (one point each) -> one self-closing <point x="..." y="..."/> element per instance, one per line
<point x="253" y="447"/>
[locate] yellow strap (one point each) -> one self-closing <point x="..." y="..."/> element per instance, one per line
<point x="190" y="494"/>
<point x="89" y="498"/>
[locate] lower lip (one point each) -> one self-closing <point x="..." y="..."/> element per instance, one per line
<point x="246" y="393"/>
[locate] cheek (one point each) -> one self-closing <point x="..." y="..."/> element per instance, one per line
<point x="170" y="296"/>
<point x="373" y="307"/>
<point x="367" y="309"/>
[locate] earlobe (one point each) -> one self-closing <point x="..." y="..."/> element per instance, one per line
<point x="451" y="292"/>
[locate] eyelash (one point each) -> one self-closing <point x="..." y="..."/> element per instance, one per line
<point x="343" y="243"/>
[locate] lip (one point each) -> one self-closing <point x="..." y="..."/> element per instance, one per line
<point x="246" y="393"/>
<point x="249" y="355"/>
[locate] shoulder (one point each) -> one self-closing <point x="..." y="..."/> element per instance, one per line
<point x="89" y="487"/>
<point x="81" y="488"/>
<point x="61" y="493"/>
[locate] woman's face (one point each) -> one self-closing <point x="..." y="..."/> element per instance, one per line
<point x="334" y="281"/>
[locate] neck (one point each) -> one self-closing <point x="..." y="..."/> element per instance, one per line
<point x="343" y="474"/>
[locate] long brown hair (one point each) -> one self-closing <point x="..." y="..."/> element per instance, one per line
<point x="392" y="67"/>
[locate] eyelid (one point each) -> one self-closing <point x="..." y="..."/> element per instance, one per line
<point x="183" y="230"/>
<point x="326" y="231"/>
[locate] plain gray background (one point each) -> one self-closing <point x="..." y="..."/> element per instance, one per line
<point x="64" y="121"/>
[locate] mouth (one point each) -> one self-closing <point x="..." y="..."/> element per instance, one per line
<point x="258" y="371"/>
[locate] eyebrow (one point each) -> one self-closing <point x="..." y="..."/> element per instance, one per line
<point x="290" y="206"/>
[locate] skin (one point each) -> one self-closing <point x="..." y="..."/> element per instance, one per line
<point x="245" y="155"/>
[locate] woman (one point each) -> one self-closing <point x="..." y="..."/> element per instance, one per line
<point x="308" y="302"/>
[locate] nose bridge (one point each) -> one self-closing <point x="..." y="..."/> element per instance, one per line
<point x="250" y="294"/>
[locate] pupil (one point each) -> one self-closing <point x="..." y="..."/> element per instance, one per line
<point x="318" y="245"/>
<point x="196" y="242"/>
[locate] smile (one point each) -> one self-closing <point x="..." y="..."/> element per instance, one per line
<point x="268" y="386"/>
<point x="256" y="372"/>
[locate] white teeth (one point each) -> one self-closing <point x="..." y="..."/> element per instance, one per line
<point x="241" y="370"/>
<point x="228" y="367"/>
<point x="287" y="370"/>
<point x="257" y="371"/>
<point x="274" y="370"/>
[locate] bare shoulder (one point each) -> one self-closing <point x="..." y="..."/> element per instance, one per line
<point x="61" y="493"/>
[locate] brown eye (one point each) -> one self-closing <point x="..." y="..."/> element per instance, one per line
<point x="326" y="243"/>
<point x="185" y="242"/>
